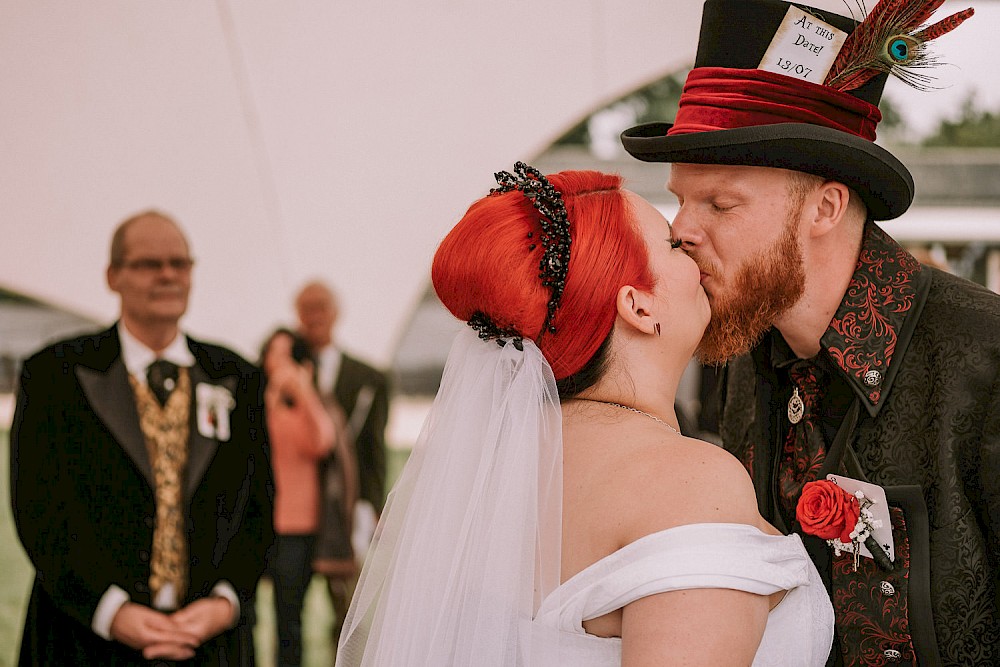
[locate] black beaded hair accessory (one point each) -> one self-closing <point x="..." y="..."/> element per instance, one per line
<point x="555" y="240"/>
<point x="488" y="330"/>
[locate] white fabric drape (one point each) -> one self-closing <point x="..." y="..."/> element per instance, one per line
<point x="799" y="630"/>
<point x="469" y="543"/>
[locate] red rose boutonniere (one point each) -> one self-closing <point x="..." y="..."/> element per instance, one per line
<point x="827" y="511"/>
<point x="842" y="519"/>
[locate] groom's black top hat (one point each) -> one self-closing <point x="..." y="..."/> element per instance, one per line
<point x="791" y="86"/>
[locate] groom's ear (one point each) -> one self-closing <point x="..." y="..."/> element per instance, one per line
<point x="635" y="308"/>
<point x="830" y="206"/>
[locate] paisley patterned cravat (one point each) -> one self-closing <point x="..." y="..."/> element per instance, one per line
<point x="805" y="450"/>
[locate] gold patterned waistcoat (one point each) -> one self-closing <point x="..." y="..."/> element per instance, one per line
<point x="166" y="429"/>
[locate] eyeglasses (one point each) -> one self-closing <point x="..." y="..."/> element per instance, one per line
<point x="150" y="265"/>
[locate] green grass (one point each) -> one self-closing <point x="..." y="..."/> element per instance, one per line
<point x="317" y="624"/>
<point x="15" y="582"/>
<point x="17" y="575"/>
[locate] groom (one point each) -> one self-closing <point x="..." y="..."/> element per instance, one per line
<point x="847" y="355"/>
<point x="140" y="480"/>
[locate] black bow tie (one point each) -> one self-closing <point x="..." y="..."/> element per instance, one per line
<point x="162" y="378"/>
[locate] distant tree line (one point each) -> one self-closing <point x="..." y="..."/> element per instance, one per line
<point x="974" y="127"/>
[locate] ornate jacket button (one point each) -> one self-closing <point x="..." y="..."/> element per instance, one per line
<point x="873" y="378"/>
<point x="892" y="655"/>
<point x="887" y="588"/>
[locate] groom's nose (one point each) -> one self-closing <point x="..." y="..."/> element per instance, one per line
<point x="685" y="229"/>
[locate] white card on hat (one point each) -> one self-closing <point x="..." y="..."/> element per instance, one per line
<point x="804" y="47"/>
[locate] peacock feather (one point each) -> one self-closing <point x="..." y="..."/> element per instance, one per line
<point x="892" y="39"/>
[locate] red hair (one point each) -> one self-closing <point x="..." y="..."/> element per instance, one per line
<point x="486" y="264"/>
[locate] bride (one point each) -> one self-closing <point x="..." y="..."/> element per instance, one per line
<point x="551" y="513"/>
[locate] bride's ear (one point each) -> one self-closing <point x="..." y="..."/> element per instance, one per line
<point x="635" y="309"/>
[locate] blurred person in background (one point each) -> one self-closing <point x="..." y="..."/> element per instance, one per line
<point x="356" y="394"/>
<point x="301" y="435"/>
<point x="140" y="481"/>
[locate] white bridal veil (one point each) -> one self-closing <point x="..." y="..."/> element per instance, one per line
<point x="469" y="543"/>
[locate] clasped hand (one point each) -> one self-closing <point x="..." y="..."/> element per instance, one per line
<point x="172" y="636"/>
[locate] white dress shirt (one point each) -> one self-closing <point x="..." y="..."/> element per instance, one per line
<point x="327" y="369"/>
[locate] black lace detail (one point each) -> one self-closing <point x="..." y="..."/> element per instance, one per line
<point x="488" y="330"/>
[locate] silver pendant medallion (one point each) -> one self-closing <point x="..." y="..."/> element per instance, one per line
<point x="796" y="408"/>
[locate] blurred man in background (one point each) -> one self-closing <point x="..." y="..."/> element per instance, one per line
<point x="140" y="481"/>
<point x="361" y="393"/>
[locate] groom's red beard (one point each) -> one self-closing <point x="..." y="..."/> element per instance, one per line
<point x="746" y="305"/>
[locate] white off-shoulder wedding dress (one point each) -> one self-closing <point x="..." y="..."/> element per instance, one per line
<point x="464" y="567"/>
<point x="799" y="629"/>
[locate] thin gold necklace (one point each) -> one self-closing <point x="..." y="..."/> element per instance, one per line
<point x="636" y="410"/>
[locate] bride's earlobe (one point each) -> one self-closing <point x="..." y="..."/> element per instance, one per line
<point x="633" y="307"/>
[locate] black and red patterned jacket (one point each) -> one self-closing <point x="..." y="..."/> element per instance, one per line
<point x="915" y="353"/>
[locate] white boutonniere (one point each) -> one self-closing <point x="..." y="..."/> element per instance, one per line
<point x="215" y="402"/>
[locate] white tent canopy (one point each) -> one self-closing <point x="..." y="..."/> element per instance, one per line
<point x="291" y="140"/>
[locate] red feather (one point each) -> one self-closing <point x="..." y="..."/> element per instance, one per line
<point x="944" y="26"/>
<point x="925" y="12"/>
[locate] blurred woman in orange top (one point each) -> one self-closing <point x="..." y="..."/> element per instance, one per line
<point x="301" y="434"/>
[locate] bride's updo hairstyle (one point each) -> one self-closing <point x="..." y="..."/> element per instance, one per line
<point x="489" y="264"/>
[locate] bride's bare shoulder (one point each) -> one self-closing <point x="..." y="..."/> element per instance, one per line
<point x="680" y="480"/>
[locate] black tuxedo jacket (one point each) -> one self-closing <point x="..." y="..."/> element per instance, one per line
<point x="82" y="493"/>
<point x="920" y="352"/>
<point x="359" y="380"/>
